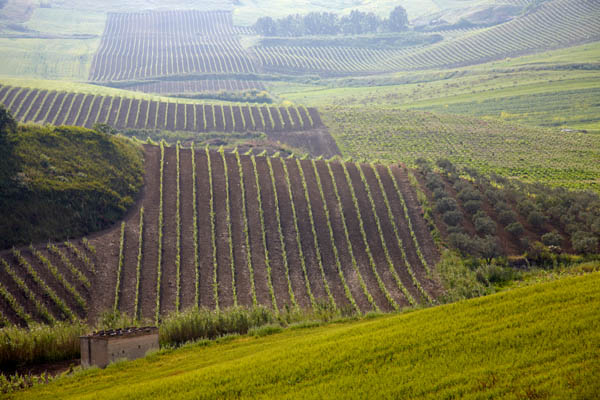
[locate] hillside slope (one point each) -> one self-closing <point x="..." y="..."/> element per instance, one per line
<point x="219" y="229"/>
<point x="538" y="342"/>
<point x="65" y="182"/>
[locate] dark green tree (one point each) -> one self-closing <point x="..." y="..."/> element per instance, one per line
<point x="398" y="21"/>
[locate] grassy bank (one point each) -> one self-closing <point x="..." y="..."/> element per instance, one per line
<point x="65" y="182"/>
<point x="537" y="342"/>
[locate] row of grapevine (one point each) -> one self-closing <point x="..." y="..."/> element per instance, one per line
<point x="197" y="86"/>
<point x="284" y="254"/>
<point x="160" y="230"/>
<point x="264" y="234"/>
<point x="57" y="108"/>
<point x="351" y="250"/>
<point x="284" y="236"/>
<point x="66" y="311"/>
<point x="229" y="228"/>
<point x="334" y="247"/>
<point x="29" y="294"/>
<point x="315" y="236"/>
<point x="161" y="43"/>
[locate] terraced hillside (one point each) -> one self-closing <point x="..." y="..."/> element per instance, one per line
<point x="162" y="43"/>
<point x="218" y="229"/>
<point x="79" y="109"/>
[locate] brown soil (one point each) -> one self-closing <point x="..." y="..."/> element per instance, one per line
<point x="123" y="113"/>
<point x="256" y="243"/>
<point x="210" y="118"/>
<point x="55" y="107"/>
<point x="219" y="119"/>
<point x="114" y="111"/>
<point x="35" y="107"/>
<point x="316" y="117"/>
<point x="170" y="117"/>
<point x="188" y="270"/>
<point x="44" y="107"/>
<point x="191" y="116"/>
<point x="242" y="275"/>
<point x="289" y="234"/>
<point x="306" y="239"/>
<point x="27" y="100"/>
<point x="316" y="142"/>
<point x="224" y="276"/>
<point x="161" y="123"/>
<point x="204" y="236"/>
<point x="278" y="275"/>
<point x="256" y="113"/>
<point x="341" y="243"/>
<point x="93" y="112"/>
<point x="325" y="245"/>
<point x="168" y="289"/>
<point x="356" y="238"/>
<point x="141" y="119"/>
<point x="228" y="119"/>
<point x="421" y="231"/>
<point x="152" y="111"/>
<point x="62" y="112"/>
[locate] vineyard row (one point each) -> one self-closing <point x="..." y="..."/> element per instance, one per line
<point x="79" y="109"/>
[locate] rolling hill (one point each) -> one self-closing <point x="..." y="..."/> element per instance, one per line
<point x="536" y="342"/>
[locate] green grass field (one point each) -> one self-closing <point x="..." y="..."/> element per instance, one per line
<point x="538" y="342"/>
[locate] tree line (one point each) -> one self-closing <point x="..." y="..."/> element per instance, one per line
<point x="326" y="23"/>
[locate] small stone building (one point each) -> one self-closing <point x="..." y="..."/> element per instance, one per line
<point x="103" y="347"/>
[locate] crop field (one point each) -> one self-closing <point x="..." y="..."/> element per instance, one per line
<point x="327" y="60"/>
<point x="573" y="22"/>
<point x="217" y="229"/>
<point x="530" y="343"/>
<point x="489" y="145"/>
<point x="551" y="24"/>
<point x="197" y="86"/>
<point x="152" y="44"/>
<point x="80" y="109"/>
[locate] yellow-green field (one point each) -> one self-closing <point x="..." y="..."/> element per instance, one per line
<point x="538" y="342"/>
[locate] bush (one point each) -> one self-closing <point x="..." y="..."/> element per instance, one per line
<point x="39" y="343"/>
<point x="584" y="243"/>
<point x="552" y="239"/>
<point x="516" y="229"/>
<point x="462" y="242"/>
<point x="468" y="194"/>
<point x="507" y="217"/>
<point x="536" y="219"/>
<point x="452" y="218"/>
<point x="484" y="225"/>
<point x="472" y="206"/>
<point x="487" y="248"/>
<point x="445" y="204"/>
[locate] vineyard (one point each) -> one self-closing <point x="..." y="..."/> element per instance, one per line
<point x="217" y="229"/>
<point x="80" y="109"/>
<point x="487" y="145"/>
<point x="550" y="25"/>
<point x="197" y="86"/>
<point x="161" y="43"/>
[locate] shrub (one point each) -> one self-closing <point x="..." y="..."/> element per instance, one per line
<point x="584" y="243"/>
<point x="468" y="194"/>
<point x="515" y="229"/>
<point x="552" y="239"/>
<point x="507" y="217"/>
<point x="536" y="219"/>
<point x="445" y="204"/>
<point x="484" y="225"/>
<point x="452" y="218"/>
<point x="462" y="242"/>
<point x="472" y="206"/>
